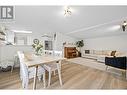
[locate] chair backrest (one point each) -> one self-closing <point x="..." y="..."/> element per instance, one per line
<point x="23" y="67"/>
<point x="58" y="53"/>
<point x="20" y="56"/>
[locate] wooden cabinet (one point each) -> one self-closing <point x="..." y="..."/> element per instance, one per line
<point x="70" y="52"/>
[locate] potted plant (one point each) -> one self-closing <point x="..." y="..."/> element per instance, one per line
<point x="37" y="46"/>
<point x="79" y="44"/>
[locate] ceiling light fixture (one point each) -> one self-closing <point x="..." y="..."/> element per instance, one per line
<point x="19" y="31"/>
<point x="124" y="25"/>
<point x="67" y="11"/>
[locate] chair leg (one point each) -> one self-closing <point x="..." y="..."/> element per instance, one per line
<point x="59" y="73"/>
<point x="44" y="80"/>
<point x="123" y="73"/>
<point x="39" y="78"/>
<point x="49" y="81"/>
<point x="25" y="84"/>
<point x="106" y="67"/>
<point x="21" y="77"/>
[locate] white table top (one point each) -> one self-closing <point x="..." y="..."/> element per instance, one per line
<point x="39" y="60"/>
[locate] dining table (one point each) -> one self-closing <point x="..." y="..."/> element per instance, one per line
<point x="39" y="61"/>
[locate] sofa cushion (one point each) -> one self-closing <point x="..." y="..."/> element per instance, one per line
<point x="120" y="54"/>
<point x="91" y="51"/>
<point x="94" y="56"/>
<point x="98" y="52"/>
<point x="117" y="53"/>
<point x="100" y="55"/>
<point x="106" y="52"/>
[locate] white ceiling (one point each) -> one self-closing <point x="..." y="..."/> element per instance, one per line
<point x="85" y="21"/>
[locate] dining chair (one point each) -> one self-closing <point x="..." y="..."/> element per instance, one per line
<point x="28" y="73"/>
<point x="55" y="66"/>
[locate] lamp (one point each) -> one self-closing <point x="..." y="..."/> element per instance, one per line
<point x="124" y="25"/>
<point x="67" y="11"/>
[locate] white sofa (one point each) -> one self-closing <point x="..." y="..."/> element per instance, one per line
<point x="100" y="55"/>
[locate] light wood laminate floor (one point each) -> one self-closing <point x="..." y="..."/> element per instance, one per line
<point x="74" y="76"/>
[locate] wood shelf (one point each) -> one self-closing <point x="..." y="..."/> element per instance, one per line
<point x="70" y="52"/>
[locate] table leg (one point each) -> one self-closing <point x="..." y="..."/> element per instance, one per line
<point x="126" y="74"/>
<point x="35" y="78"/>
<point x="12" y="67"/>
<point x="59" y="72"/>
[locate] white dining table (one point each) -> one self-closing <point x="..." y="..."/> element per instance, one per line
<point x="39" y="60"/>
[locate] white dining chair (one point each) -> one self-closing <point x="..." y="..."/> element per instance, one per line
<point x="28" y="73"/>
<point x="55" y="66"/>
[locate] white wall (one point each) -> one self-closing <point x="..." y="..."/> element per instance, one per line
<point x="118" y="42"/>
<point x="8" y="51"/>
<point x="60" y="39"/>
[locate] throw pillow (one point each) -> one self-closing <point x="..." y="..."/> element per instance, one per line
<point x="113" y="53"/>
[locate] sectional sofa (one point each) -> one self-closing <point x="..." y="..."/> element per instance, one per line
<point x="100" y="55"/>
